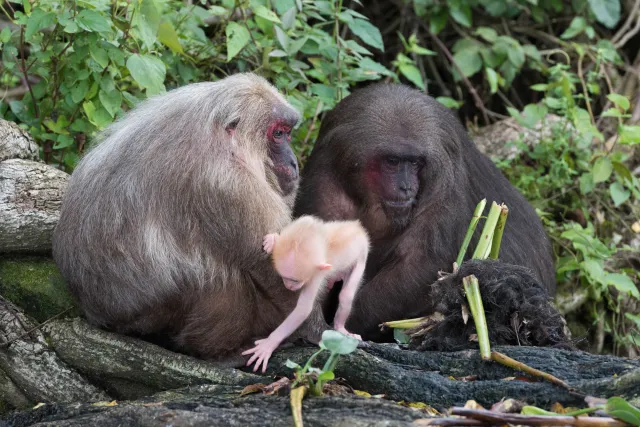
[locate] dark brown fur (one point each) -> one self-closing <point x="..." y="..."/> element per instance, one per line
<point x="162" y="224"/>
<point x="350" y="175"/>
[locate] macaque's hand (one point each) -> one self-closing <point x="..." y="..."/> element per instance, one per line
<point x="269" y="242"/>
<point x="261" y="353"/>
<point x="349" y="334"/>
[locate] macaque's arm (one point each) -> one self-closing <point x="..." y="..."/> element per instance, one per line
<point x="263" y="349"/>
<point x="269" y="242"/>
<point x="347" y="294"/>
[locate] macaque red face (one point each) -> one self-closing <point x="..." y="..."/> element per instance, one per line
<point x="285" y="164"/>
<point x="395" y="180"/>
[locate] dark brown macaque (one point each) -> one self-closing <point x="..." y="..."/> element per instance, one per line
<point x="401" y="163"/>
<point x="162" y="224"/>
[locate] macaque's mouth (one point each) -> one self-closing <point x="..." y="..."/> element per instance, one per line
<point x="400" y="203"/>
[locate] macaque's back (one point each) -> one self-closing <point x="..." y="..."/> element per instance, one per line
<point x="348" y="241"/>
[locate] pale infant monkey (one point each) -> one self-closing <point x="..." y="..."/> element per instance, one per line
<point x="307" y="254"/>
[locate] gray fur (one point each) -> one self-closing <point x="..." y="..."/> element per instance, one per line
<point x="162" y="223"/>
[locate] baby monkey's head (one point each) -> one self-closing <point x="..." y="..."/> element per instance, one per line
<point x="300" y="252"/>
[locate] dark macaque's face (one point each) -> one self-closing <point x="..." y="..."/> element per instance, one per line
<point x="395" y="182"/>
<point x="285" y="164"/>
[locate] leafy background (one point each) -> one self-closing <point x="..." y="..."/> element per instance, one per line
<point x="70" y="68"/>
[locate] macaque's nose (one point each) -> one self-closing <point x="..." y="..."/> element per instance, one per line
<point x="294" y="169"/>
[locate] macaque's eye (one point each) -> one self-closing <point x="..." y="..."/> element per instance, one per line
<point x="393" y="161"/>
<point x="278" y="133"/>
<point x="233" y="124"/>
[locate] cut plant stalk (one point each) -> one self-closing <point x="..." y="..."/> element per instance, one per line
<point x="295" y="399"/>
<point x="499" y="230"/>
<point x="477" y="214"/>
<point x="405" y="324"/>
<point x="486" y="238"/>
<point x="472" y="290"/>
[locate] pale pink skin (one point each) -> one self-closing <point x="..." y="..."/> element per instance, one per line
<point x="351" y="280"/>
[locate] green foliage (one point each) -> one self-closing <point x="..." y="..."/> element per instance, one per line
<point x="615" y="407"/>
<point x="572" y="173"/>
<point x="92" y="60"/>
<point x="336" y="344"/>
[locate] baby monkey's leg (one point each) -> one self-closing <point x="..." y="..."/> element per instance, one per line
<point x="347" y="293"/>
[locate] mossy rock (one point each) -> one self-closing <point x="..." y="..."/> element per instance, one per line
<point x="35" y="285"/>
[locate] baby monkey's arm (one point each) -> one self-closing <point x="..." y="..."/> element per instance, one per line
<point x="265" y="347"/>
<point x="269" y="242"/>
<point x="347" y="293"/>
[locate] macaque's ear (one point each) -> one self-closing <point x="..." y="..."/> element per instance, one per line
<point x="324" y="267"/>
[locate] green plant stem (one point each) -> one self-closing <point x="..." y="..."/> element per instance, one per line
<point x="477" y="213"/>
<point x="406" y="323"/>
<point x="483" y="247"/>
<point x="499" y="230"/>
<point x="472" y="290"/>
<point x="295" y="399"/>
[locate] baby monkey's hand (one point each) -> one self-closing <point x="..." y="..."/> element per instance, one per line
<point x="269" y="242"/>
<point x="261" y="353"/>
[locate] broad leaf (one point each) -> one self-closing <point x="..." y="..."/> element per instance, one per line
<point x="607" y="12"/>
<point x="148" y="71"/>
<point x="237" y="38"/>
<point x="289" y="18"/>
<point x="624" y="284"/>
<point x="469" y="61"/>
<point x="492" y="77"/>
<point x="339" y="343"/>
<point x="619" y="100"/>
<point x="630" y="134"/>
<point x="412" y="74"/>
<point x="168" y="37"/>
<point x="619" y="194"/>
<point x="146" y="21"/>
<point x="111" y="101"/>
<point x="578" y="25"/>
<point x="367" y="32"/>
<point x="267" y="14"/>
<point x="460" y="11"/>
<point x="90" y="20"/>
<point x="602" y="169"/>
<point x="37" y="21"/>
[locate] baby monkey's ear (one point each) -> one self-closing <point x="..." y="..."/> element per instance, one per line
<point x="324" y="267"/>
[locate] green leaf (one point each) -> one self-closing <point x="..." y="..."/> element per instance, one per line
<point x="634" y="318"/>
<point x="400" y="336"/>
<point x="469" y="61"/>
<point x="5" y="35"/>
<point x="99" y="55"/>
<point x="612" y="112"/>
<point x="602" y="169"/>
<point x="111" y="101"/>
<point x="367" y="32"/>
<point x="492" y="77"/>
<point x="289" y="18"/>
<point x="326" y="376"/>
<point x="168" y="37"/>
<point x="63" y="141"/>
<point x="619" y="194"/>
<point x="607" y="12"/>
<point x="267" y="14"/>
<point x="277" y="53"/>
<point x="291" y="364"/>
<point x="237" y="38"/>
<point x="146" y="20"/>
<point x="532" y="410"/>
<point x="487" y="33"/>
<point x="540" y="87"/>
<point x="26" y="4"/>
<point x="438" y="20"/>
<point x="92" y="21"/>
<point x="578" y="24"/>
<point x="339" y="343"/>
<point x="449" y="102"/>
<point x="412" y="74"/>
<point x="630" y="134"/>
<point x="461" y="13"/>
<point x="623" y="171"/>
<point x="148" y="71"/>
<point x="586" y="183"/>
<point x="38" y="20"/>
<point x="624" y="284"/>
<point x="516" y="55"/>
<point x="533" y="113"/>
<point x="282" y="37"/>
<point x="619" y="100"/>
<point x="79" y="91"/>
